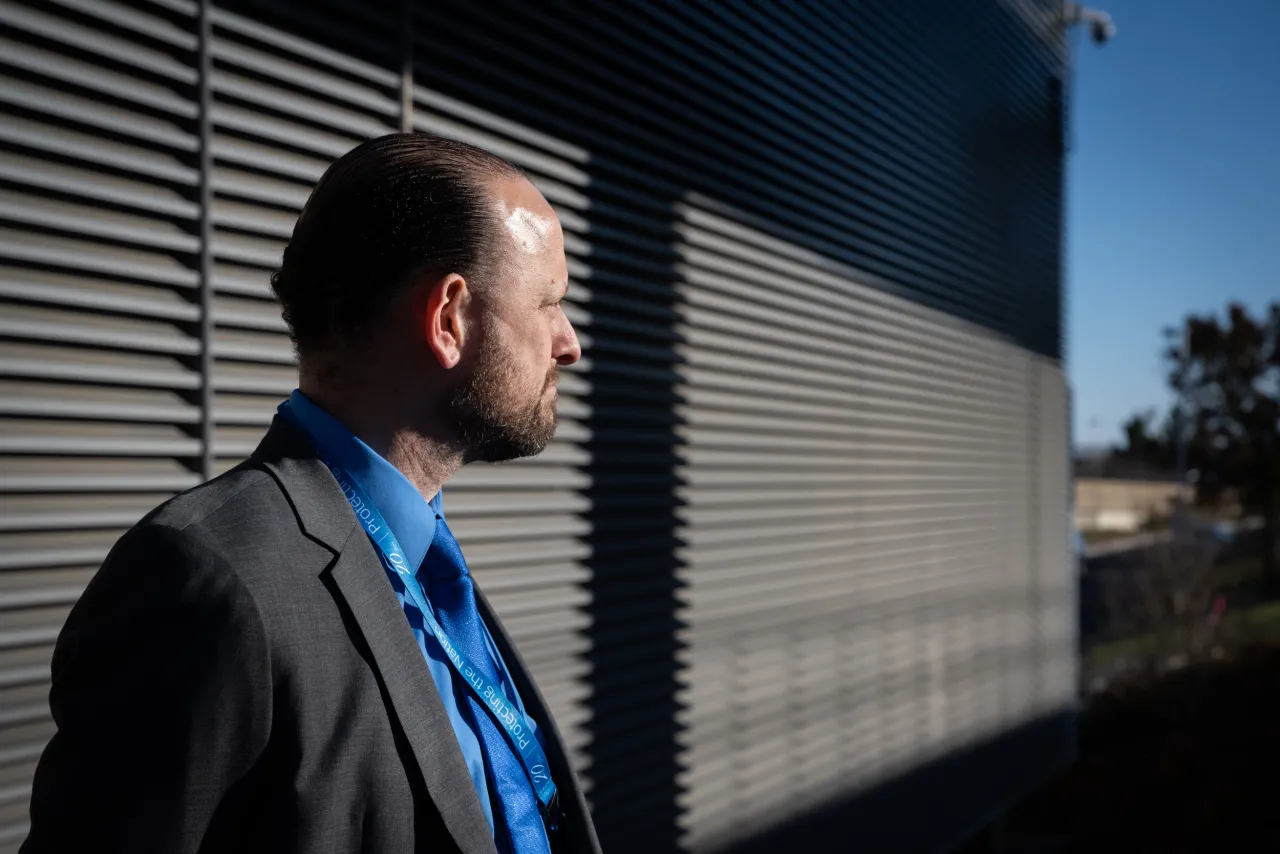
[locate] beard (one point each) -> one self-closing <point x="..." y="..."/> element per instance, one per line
<point x="495" y="422"/>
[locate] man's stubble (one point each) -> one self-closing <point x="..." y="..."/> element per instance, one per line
<point x="495" y="421"/>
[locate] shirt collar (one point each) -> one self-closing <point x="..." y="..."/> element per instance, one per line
<point x="411" y="517"/>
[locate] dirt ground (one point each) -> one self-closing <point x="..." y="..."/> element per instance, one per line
<point x="1187" y="762"/>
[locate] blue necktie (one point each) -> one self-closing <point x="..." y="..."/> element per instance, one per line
<point x="453" y="597"/>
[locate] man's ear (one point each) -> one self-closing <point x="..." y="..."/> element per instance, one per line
<point x="445" y="317"/>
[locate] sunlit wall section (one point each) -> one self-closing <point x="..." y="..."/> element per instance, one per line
<point x="865" y="481"/>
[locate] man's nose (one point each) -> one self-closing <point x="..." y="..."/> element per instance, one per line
<point x="568" y="350"/>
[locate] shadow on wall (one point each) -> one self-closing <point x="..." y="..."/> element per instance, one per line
<point x="634" y="540"/>
<point x="924" y="810"/>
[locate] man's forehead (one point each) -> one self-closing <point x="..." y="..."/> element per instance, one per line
<point x="525" y="214"/>
<point x="530" y="230"/>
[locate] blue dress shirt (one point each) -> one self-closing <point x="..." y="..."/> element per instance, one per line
<point x="413" y="520"/>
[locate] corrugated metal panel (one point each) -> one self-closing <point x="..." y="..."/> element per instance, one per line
<point x="855" y="630"/>
<point x="100" y="314"/>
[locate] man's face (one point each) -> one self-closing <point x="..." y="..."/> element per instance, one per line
<point x="506" y="408"/>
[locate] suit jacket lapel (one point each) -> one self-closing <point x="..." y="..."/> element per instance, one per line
<point x="360" y="579"/>
<point x="578" y="834"/>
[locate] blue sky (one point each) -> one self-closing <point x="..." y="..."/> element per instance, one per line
<point x="1173" y="194"/>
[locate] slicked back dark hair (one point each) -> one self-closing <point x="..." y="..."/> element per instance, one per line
<point x="398" y="205"/>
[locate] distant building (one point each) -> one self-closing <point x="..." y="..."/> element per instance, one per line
<point x="1115" y="494"/>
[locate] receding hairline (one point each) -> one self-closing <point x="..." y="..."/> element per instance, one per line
<point x="393" y="181"/>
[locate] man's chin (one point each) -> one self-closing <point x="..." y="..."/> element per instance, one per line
<point x="507" y="446"/>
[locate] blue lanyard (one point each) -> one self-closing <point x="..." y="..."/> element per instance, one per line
<point x="518" y="728"/>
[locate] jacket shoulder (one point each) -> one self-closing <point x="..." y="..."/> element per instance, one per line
<point x="239" y="524"/>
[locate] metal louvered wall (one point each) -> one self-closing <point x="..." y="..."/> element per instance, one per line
<point x="862" y="527"/>
<point x="803" y="528"/>
<point x="100" y="415"/>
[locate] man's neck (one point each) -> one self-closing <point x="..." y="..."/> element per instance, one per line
<point x="427" y="462"/>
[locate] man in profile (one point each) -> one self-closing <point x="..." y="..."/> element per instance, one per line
<point x="293" y="657"/>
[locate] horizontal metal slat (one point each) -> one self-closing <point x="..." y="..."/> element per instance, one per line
<point x="252" y="347"/>
<point x="707" y="348"/>
<point x="257" y="219"/>
<point x="531" y="526"/>
<point x="97" y="41"/>
<point x="63" y="513"/>
<point x="15" y="831"/>
<point x="9" y="677"/>
<point x="522" y="155"/>
<point x="51" y="566"/>
<point x="83" y="220"/>
<point x="520" y="476"/>
<point x="45" y="138"/>
<point x="96" y="77"/>
<point x="305" y="49"/>
<point x="267" y="379"/>
<point x="534" y="574"/>
<point x="702" y="294"/>
<point x="245" y="409"/>
<point x="830" y="123"/>
<point x="61" y="474"/>
<point x="228" y="181"/>
<point x="94" y="113"/>
<point x="241" y="280"/>
<point x="244" y="249"/>
<point x="370" y="95"/>
<point x="114" y="260"/>
<point x="150" y="26"/>
<point x="235" y="441"/>
<point x="314" y="111"/>
<point x="325" y="145"/>
<point x="41" y="361"/>
<point x="48" y="325"/>
<point x="95" y="402"/>
<point x="28" y="636"/>
<point x="56" y="289"/>
<point x="188" y="8"/>
<point x="500" y="125"/>
<point x="96" y="185"/>
<point x="758" y="259"/>
<point x="75" y="438"/>
<point x="742" y="425"/>
<point x="266" y="158"/>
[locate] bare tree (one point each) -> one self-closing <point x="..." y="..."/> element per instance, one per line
<point x="1176" y="585"/>
<point x="1164" y="599"/>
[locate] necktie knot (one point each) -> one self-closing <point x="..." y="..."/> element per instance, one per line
<point x="443" y="562"/>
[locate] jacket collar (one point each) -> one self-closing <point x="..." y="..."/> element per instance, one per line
<point x="360" y="580"/>
<point x="322" y="510"/>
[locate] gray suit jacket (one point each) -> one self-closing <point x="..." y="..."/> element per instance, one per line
<point x="239" y="677"/>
